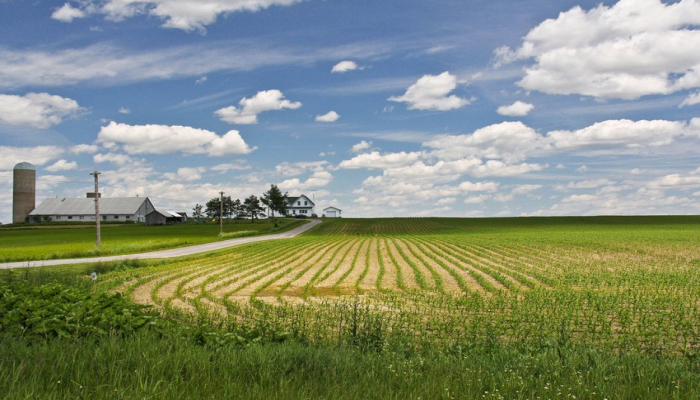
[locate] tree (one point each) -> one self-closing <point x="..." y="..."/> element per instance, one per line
<point x="197" y="212"/>
<point x="212" y="208"/>
<point x="252" y="206"/>
<point x="265" y="199"/>
<point x="228" y="207"/>
<point x="237" y="209"/>
<point x="275" y="200"/>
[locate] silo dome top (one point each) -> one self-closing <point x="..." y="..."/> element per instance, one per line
<point x="25" y="165"/>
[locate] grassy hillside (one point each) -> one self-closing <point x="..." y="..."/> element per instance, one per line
<point x="43" y="242"/>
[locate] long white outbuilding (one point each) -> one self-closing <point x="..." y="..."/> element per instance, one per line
<point x="113" y="209"/>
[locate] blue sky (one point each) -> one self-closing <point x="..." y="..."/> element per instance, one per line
<point x="380" y="108"/>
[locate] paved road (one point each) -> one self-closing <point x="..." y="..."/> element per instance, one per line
<point x="178" y="252"/>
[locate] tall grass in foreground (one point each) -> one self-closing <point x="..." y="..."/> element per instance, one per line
<point x="151" y="366"/>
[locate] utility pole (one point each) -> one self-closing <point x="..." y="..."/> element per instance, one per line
<point x="221" y="213"/>
<point x="97" y="208"/>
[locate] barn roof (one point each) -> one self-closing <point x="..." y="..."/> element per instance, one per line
<point x="85" y="206"/>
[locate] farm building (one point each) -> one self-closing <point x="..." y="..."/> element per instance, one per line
<point x="331" y="212"/>
<point x="301" y="205"/>
<point x="115" y="209"/>
<point x="160" y="217"/>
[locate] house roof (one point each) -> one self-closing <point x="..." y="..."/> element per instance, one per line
<point x="291" y="199"/>
<point x="85" y="206"/>
<point x="332" y="208"/>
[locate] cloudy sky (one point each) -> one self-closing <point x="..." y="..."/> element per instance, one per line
<point x="380" y="108"/>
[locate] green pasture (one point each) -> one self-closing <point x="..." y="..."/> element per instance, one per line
<point x="44" y="242"/>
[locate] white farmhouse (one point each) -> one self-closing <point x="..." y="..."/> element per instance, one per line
<point x="301" y="205"/>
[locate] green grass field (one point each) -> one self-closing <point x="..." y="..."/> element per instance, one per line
<point x="43" y="242"/>
<point x="516" y="308"/>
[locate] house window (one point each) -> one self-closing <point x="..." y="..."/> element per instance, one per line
<point x="82" y="217"/>
<point x="128" y="217"/>
<point x="58" y="217"/>
<point x="116" y="217"/>
<point x="302" y="211"/>
<point x="70" y="217"/>
<point x="294" y="211"/>
<point x="306" y="204"/>
<point x="298" y="203"/>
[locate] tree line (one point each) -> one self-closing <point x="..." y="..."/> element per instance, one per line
<point x="251" y="207"/>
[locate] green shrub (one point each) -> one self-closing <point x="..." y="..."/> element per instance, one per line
<point x="57" y="310"/>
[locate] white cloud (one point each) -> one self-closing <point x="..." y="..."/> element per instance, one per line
<point x="118" y="159"/>
<point x="517" y="109"/>
<point x="479" y="186"/>
<point x="499" y="168"/>
<point x="107" y="64"/>
<point x="163" y="139"/>
<point x="124" y="110"/>
<point x="589" y="184"/>
<point x="676" y="181"/>
<point x="691" y="100"/>
<point x="84" y="148"/>
<point x="526" y="189"/>
<point x="345" y="66"/>
<point x="625" y="51"/>
<point x="432" y="92"/>
<point x="201" y="80"/>
<point x="38" y="110"/>
<point x="376" y="160"/>
<point x="187" y="15"/>
<point x="317" y="179"/>
<point x="186" y="174"/>
<point x="40" y="155"/>
<point x="330" y="116"/>
<point x="511" y="141"/>
<point x="477" y="199"/>
<point x="445" y="201"/>
<point x="235" y="166"/>
<point x="360" y="147"/>
<point x="67" y="13"/>
<point x="62" y="165"/>
<point x="620" y="133"/>
<point x="298" y="168"/>
<point x="266" y="100"/>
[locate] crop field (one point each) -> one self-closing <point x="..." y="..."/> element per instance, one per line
<point x="619" y="284"/>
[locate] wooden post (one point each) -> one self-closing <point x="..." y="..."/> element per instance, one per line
<point x="221" y="213"/>
<point x="97" y="208"/>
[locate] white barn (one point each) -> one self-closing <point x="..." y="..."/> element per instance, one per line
<point x="332" y="212"/>
<point x="115" y="209"/>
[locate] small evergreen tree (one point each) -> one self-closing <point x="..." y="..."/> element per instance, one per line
<point x="197" y="212"/>
<point x="275" y="200"/>
<point x="252" y="206"/>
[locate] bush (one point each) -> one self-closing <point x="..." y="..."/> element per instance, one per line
<point x="56" y="310"/>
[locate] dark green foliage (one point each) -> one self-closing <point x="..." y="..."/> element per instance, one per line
<point x="252" y="207"/>
<point x="56" y="310"/>
<point x="275" y="200"/>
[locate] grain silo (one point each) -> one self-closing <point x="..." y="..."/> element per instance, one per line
<point x="23" y="191"/>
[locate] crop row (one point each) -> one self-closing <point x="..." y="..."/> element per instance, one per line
<point x="440" y="288"/>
